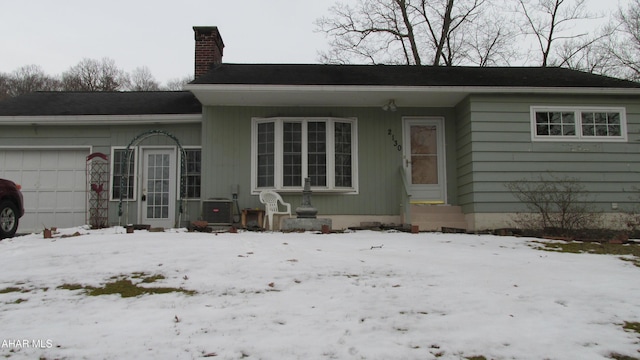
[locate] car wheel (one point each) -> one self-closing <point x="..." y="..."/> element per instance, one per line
<point x="8" y="219"/>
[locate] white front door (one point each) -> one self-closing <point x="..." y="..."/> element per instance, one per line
<point x="424" y="159"/>
<point x="158" y="184"/>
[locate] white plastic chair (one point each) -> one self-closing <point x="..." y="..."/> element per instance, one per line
<point x="270" y="200"/>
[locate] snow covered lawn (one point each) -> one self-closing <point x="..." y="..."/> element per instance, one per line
<point x="361" y="295"/>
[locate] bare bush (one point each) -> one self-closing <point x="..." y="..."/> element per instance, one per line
<point x="631" y="217"/>
<point x="557" y="206"/>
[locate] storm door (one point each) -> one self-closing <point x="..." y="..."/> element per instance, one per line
<point x="424" y="159"/>
<point x="158" y="196"/>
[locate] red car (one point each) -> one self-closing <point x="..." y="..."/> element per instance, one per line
<point x="11" y="208"/>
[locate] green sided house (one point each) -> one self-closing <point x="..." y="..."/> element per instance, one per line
<point x="46" y="139"/>
<point x="430" y="146"/>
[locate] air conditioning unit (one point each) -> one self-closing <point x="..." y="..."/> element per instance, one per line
<point x="217" y="211"/>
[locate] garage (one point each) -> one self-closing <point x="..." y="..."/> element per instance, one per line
<point x="53" y="184"/>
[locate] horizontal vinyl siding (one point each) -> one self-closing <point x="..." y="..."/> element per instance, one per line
<point x="100" y="138"/>
<point x="502" y="151"/>
<point x="227" y="161"/>
<point x="464" y="158"/>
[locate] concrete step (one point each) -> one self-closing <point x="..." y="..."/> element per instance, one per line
<point x="438" y="226"/>
<point x="435" y="209"/>
<point x="436" y="217"/>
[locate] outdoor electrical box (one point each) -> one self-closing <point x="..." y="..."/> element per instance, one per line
<point x="217" y="211"/>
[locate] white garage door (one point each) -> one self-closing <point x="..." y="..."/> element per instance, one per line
<point x="53" y="184"/>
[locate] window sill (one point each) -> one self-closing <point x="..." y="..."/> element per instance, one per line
<point x="576" y="139"/>
<point x="314" y="191"/>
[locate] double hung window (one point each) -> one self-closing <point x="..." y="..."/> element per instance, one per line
<point x="193" y="173"/>
<point x="123" y="173"/>
<point x="286" y="151"/>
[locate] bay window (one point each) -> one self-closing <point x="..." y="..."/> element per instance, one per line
<point x="285" y="151"/>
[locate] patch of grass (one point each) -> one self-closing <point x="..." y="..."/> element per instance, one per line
<point x="152" y="279"/>
<point x="13" y="289"/>
<point x="126" y="288"/>
<point x="123" y="285"/>
<point x="142" y="276"/>
<point x="632" y="326"/>
<point x="70" y="287"/>
<point x="579" y="247"/>
<point x="10" y="290"/>
<point x="623" y="357"/>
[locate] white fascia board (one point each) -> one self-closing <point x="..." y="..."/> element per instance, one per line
<point x="356" y="95"/>
<point x="88" y="120"/>
<point x="195" y="88"/>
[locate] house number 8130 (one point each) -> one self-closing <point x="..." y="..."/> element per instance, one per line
<point x="394" y="142"/>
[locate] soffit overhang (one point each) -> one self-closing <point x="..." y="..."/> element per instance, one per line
<point x="367" y="96"/>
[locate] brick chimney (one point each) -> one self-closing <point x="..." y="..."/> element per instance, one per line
<point x="209" y="48"/>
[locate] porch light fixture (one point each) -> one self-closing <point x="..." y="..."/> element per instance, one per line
<point x="390" y="106"/>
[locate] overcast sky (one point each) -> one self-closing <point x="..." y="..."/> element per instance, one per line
<point x="158" y="33"/>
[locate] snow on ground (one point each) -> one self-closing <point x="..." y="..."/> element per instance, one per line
<point x="360" y="295"/>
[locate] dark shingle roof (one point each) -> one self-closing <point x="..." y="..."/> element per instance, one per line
<point x="183" y="102"/>
<point x="101" y="103"/>
<point x="403" y="75"/>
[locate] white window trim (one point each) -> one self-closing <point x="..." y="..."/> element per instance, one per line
<point x="136" y="158"/>
<point x="278" y="149"/>
<point x="135" y="173"/>
<point x="578" y="110"/>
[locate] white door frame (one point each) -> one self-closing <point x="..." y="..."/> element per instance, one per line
<point x="427" y="194"/>
<point x="145" y="193"/>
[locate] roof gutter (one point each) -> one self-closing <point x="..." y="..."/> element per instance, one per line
<point x="87" y="120"/>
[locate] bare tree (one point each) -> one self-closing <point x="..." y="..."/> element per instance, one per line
<point x="141" y="79"/>
<point x="446" y="22"/>
<point x="30" y="78"/>
<point x="95" y="75"/>
<point x="405" y="32"/>
<point x="87" y="75"/>
<point x="487" y="41"/>
<point x="177" y="84"/>
<point x="625" y="42"/>
<point x="372" y="31"/>
<point x="4" y="86"/>
<point x="589" y="54"/>
<point x="549" y="22"/>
